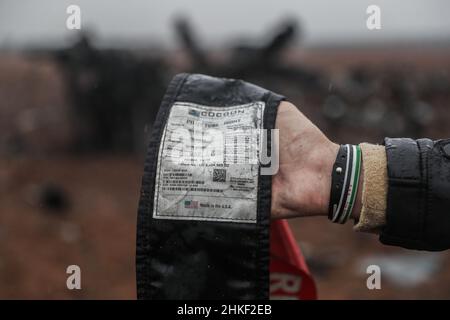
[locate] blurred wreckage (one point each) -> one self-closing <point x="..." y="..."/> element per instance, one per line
<point x="108" y="98"/>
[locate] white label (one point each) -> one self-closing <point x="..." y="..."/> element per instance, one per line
<point x="208" y="163"/>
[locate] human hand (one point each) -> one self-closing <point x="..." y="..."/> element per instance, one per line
<point x="302" y="184"/>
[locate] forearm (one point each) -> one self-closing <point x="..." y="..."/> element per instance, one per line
<point x="404" y="193"/>
<point x="404" y="187"/>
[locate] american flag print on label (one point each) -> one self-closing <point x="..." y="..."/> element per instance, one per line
<point x="189" y="204"/>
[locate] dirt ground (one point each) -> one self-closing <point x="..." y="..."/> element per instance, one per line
<point x="95" y="232"/>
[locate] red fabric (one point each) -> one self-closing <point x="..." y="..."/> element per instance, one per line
<point x="289" y="274"/>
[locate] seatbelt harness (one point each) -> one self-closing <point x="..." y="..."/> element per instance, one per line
<point x="204" y="211"/>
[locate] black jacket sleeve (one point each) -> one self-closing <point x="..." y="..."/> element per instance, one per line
<point x="418" y="201"/>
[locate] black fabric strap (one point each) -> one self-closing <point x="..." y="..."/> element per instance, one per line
<point x="187" y="259"/>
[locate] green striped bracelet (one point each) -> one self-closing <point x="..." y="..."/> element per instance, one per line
<point x="353" y="187"/>
<point x="342" y="210"/>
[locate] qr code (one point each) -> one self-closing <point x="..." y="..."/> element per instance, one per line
<point x="219" y="175"/>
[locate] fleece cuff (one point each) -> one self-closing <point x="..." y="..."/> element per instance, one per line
<point x="375" y="187"/>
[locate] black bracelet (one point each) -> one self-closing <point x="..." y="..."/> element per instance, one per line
<point x="338" y="180"/>
<point x="344" y="183"/>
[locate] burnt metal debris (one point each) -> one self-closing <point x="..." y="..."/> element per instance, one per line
<point x="257" y="63"/>
<point x="53" y="198"/>
<point x="114" y="94"/>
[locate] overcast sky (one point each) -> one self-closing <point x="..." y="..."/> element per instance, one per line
<point x="31" y="22"/>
